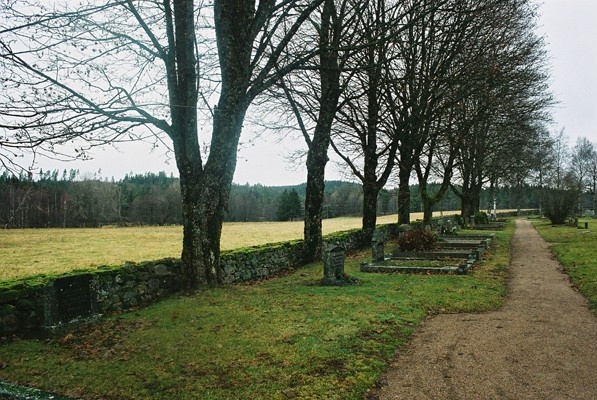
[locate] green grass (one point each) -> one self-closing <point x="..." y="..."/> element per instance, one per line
<point x="576" y="249"/>
<point x="27" y="252"/>
<point x="270" y="340"/>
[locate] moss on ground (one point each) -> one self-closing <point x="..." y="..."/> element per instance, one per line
<point x="281" y="338"/>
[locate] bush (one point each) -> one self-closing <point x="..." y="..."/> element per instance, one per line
<point x="481" y="218"/>
<point x="459" y="220"/>
<point x="559" y="204"/>
<point x="416" y="240"/>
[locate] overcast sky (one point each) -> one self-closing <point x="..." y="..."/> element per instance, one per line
<point x="570" y="28"/>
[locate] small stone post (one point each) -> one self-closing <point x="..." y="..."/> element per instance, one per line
<point x="377" y="250"/>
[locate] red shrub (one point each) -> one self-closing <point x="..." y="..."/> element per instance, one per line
<point x="417" y="241"/>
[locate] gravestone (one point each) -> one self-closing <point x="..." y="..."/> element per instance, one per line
<point x="333" y="263"/>
<point x="377" y="247"/>
<point x="69" y="299"/>
<point x="403" y="229"/>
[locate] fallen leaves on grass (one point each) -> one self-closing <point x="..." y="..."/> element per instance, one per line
<point x="105" y="340"/>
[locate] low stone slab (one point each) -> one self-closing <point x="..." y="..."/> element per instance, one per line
<point x="460" y="244"/>
<point x="461" y="269"/>
<point x="431" y="255"/>
<point x="490" y="236"/>
<point x="490" y="227"/>
<point x="69" y="299"/>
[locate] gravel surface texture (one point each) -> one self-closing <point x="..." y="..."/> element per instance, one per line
<point x="542" y="344"/>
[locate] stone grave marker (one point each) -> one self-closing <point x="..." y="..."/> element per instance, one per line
<point x="377" y="247"/>
<point x="69" y="299"/>
<point x="333" y="263"/>
<point x="403" y="229"/>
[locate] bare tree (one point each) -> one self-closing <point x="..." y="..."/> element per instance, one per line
<point x="356" y="137"/>
<point x="504" y="112"/>
<point x="98" y="72"/>
<point x="312" y="95"/>
<point x="425" y="74"/>
<point x="559" y="160"/>
<point x="444" y="69"/>
<point x="582" y="163"/>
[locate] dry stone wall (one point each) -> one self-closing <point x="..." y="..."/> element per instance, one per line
<point x="24" y="304"/>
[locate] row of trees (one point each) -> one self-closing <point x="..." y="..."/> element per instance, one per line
<point x="452" y="91"/>
<point x="69" y="200"/>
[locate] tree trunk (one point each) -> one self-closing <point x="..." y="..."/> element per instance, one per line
<point x="205" y="195"/>
<point x="467" y="208"/>
<point x="404" y="194"/>
<point x="317" y="157"/>
<point x="427" y="209"/>
<point x="194" y="239"/>
<point x="316" y="161"/>
<point x="205" y="189"/>
<point x="470" y="203"/>
<point x="186" y="150"/>
<point x="491" y="196"/>
<point x="429" y="201"/>
<point x="370" y="194"/>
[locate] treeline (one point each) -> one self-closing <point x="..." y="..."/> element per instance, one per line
<point x="68" y="200"/>
<point x="448" y="91"/>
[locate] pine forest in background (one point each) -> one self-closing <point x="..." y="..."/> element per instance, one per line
<point x="67" y="200"/>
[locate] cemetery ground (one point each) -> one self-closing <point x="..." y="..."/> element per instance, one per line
<point x="26" y="252"/>
<point x="287" y="337"/>
<point x="541" y="344"/>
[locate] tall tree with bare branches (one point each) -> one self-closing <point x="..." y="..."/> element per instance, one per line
<point x="93" y="73"/>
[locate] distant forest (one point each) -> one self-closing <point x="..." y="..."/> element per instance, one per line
<point x="66" y="200"/>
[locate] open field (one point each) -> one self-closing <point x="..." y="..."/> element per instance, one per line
<point x="576" y="249"/>
<point x="25" y="252"/>
<point x="283" y="338"/>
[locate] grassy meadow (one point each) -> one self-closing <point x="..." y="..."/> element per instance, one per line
<point x="282" y="338"/>
<point x="576" y="249"/>
<point x="26" y="252"/>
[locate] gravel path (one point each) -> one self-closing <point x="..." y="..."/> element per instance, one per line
<point x="541" y="345"/>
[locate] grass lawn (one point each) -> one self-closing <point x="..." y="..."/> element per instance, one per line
<point x="576" y="249"/>
<point x="26" y="252"/>
<point x="283" y="338"/>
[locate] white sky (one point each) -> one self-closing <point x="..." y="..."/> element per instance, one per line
<point x="570" y="27"/>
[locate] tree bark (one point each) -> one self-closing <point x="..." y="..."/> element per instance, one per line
<point x="317" y="157"/>
<point x="427" y="209"/>
<point x="316" y="161"/>
<point x="467" y="208"/>
<point x="470" y="199"/>
<point x="370" y="194"/>
<point x="404" y="193"/>
<point x="205" y="189"/>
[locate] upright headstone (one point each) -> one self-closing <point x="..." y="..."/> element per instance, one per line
<point x="333" y="263"/>
<point x="377" y="247"/>
<point x="69" y="299"/>
<point x="402" y="229"/>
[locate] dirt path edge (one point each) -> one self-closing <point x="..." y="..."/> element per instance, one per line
<point x="542" y="344"/>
